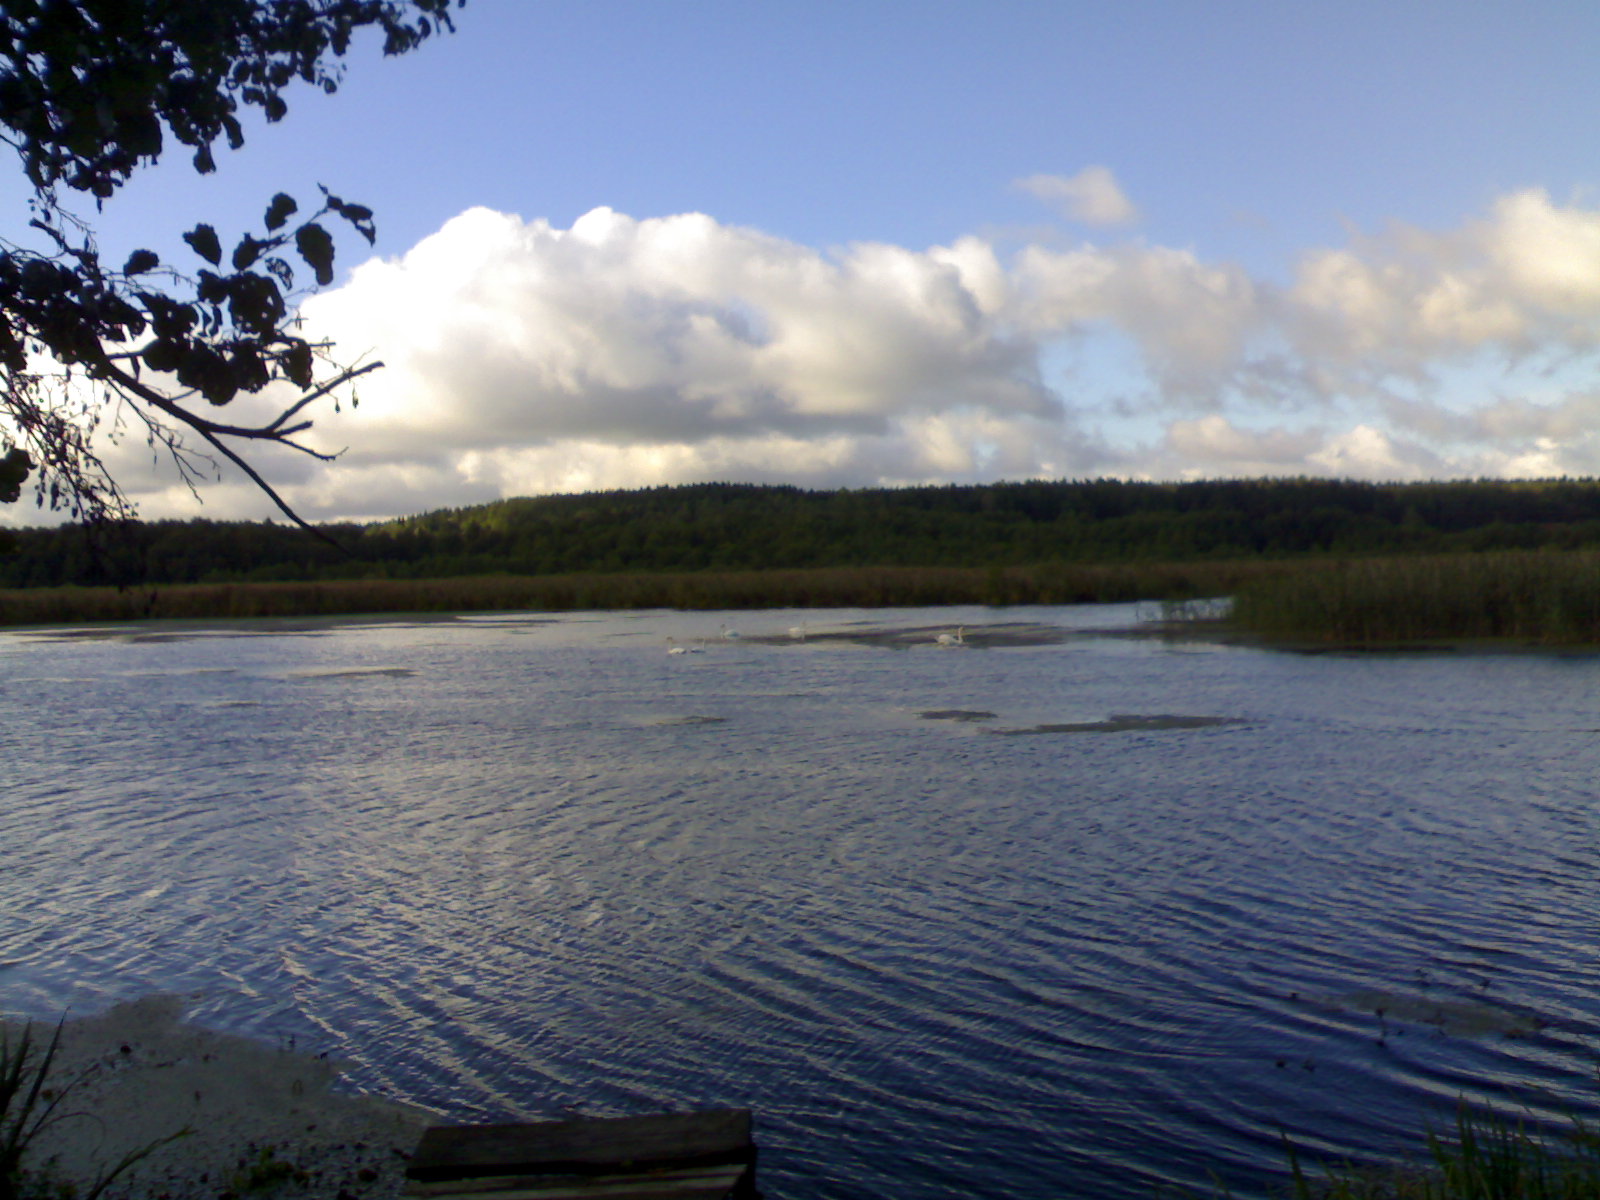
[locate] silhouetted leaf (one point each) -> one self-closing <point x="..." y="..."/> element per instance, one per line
<point x="204" y="369"/>
<point x="297" y="364"/>
<point x="162" y="355"/>
<point x="316" y="247"/>
<point x="12" y="356"/>
<point x="171" y="319"/>
<point x="203" y="241"/>
<point x="42" y="280"/>
<point x="255" y="304"/>
<point x="248" y="369"/>
<point x="246" y="252"/>
<point x="141" y="261"/>
<point x="359" y="215"/>
<point x="213" y="288"/>
<point x="14" y="468"/>
<point x="283" y="206"/>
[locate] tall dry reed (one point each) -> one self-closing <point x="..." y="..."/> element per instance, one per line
<point x="841" y="587"/>
<point x="1540" y="597"/>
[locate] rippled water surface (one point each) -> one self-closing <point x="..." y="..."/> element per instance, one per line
<point x="954" y="921"/>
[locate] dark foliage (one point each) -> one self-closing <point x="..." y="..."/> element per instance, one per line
<point x="91" y="90"/>
<point x="727" y="527"/>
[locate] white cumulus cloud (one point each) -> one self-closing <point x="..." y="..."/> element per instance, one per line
<point x="624" y="351"/>
<point x="1092" y="196"/>
<point x="1524" y="280"/>
<point x="522" y="357"/>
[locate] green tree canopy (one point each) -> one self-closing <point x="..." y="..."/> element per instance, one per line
<point x="92" y="90"/>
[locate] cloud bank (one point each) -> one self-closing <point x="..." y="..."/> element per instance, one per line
<point x="621" y="352"/>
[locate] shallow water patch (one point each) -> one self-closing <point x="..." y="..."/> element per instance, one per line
<point x="357" y="673"/>
<point x="1456" y="1017"/>
<point x="1124" y="723"/>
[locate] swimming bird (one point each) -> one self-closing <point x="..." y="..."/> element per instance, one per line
<point x="798" y="632"/>
<point x="674" y="648"/>
<point x="958" y="638"/>
<point x="730" y="635"/>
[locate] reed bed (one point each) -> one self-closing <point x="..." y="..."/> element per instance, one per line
<point x="1538" y="597"/>
<point x="1482" y="1159"/>
<point x="863" y="587"/>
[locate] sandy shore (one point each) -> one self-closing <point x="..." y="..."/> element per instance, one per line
<point x="260" y="1120"/>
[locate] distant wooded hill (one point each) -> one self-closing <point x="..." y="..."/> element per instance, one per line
<point x="749" y="527"/>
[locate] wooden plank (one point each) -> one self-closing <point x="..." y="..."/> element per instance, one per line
<point x="501" y="1186"/>
<point x="634" y="1191"/>
<point x="587" y="1147"/>
<point x="696" y="1183"/>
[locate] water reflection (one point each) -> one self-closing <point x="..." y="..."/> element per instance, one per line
<point x="530" y="867"/>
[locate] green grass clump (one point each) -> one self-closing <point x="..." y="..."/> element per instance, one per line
<point x="26" y="1108"/>
<point x="31" y="1101"/>
<point x="264" y="1171"/>
<point x="1484" y="1158"/>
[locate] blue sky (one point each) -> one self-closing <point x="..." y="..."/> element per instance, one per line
<point x="627" y="243"/>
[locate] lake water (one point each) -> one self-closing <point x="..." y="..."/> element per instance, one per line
<point x="954" y="921"/>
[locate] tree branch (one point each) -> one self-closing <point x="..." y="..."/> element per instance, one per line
<point x="346" y="377"/>
<point x="255" y="433"/>
<point x="255" y="476"/>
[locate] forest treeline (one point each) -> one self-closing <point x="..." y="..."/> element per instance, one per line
<point x="738" y="527"/>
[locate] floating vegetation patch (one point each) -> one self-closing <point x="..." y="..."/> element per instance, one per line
<point x="357" y="673"/>
<point x="907" y="637"/>
<point x="185" y="674"/>
<point x="1459" y="1018"/>
<point x="512" y="621"/>
<point x="170" y="636"/>
<point x="957" y="714"/>
<point x="688" y="719"/>
<point x="261" y="629"/>
<point x="75" y="635"/>
<point x="146" y="637"/>
<point x="1125" y="723"/>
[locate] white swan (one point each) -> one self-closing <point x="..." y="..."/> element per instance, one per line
<point x="730" y="635"/>
<point x="674" y="648"/>
<point x="958" y="638"/>
<point x="798" y="632"/>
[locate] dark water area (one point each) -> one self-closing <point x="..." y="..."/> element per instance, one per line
<point x="1201" y="897"/>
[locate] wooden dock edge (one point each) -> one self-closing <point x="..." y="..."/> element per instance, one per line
<point x="688" y="1156"/>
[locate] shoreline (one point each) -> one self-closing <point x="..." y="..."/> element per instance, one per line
<point x="687" y="591"/>
<point x="259" y="1119"/>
